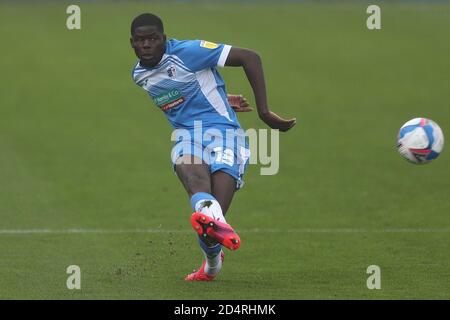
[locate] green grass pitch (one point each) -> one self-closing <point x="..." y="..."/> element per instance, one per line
<point x="82" y="147"/>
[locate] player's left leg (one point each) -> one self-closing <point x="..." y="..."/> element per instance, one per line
<point x="223" y="187"/>
<point x="227" y="167"/>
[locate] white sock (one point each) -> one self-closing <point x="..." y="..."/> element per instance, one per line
<point x="213" y="264"/>
<point x="211" y="208"/>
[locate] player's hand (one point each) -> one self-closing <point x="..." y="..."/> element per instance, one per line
<point x="276" y="122"/>
<point x="239" y="103"/>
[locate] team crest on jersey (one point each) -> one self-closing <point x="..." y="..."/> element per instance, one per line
<point x="172" y="72"/>
<point x="208" y="45"/>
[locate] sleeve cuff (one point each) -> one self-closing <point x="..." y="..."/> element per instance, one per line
<point x="223" y="56"/>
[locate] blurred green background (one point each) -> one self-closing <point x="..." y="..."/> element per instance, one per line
<point x="81" y="146"/>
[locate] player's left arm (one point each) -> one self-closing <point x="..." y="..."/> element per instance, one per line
<point x="251" y="62"/>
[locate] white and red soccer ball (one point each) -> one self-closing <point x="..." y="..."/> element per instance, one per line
<point x="420" y="140"/>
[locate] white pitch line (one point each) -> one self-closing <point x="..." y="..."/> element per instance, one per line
<point x="91" y="231"/>
<point x="243" y="231"/>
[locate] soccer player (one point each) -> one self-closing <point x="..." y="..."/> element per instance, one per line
<point x="181" y="78"/>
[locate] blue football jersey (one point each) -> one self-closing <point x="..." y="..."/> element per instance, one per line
<point x="186" y="85"/>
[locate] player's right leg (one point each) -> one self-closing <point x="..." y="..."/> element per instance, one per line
<point x="193" y="174"/>
<point x="195" y="177"/>
<point x="207" y="219"/>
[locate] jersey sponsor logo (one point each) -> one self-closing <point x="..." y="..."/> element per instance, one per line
<point x="172" y="104"/>
<point x="169" y="99"/>
<point x="208" y="45"/>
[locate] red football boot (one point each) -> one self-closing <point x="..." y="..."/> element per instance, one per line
<point x="201" y="275"/>
<point x="220" y="231"/>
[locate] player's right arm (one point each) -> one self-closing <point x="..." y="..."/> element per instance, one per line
<point x="251" y="62"/>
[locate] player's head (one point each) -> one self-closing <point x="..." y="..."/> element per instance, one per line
<point x="148" y="39"/>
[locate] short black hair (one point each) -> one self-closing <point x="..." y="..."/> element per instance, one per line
<point x="147" y="19"/>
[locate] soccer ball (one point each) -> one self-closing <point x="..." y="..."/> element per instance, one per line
<point x="420" y="140"/>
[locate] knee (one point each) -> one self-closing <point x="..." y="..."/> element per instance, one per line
<point x="199" y="182"/>
<point x="195" y="178"/>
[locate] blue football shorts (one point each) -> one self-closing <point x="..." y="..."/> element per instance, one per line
<point x="221" y="149"/>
